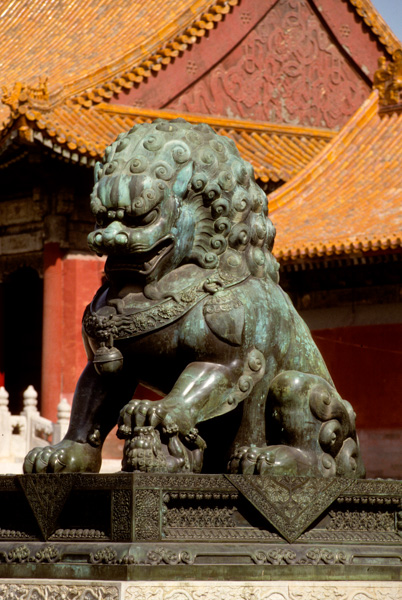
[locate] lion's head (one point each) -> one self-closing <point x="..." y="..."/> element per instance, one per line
<point x="169" y="193"/>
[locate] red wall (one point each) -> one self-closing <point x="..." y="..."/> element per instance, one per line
<point x="366" y="365"/>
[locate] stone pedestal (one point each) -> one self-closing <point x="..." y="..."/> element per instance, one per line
<point x="199" y="536"/>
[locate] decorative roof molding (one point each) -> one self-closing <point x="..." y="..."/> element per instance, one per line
<point x="378" y="26"/>
<point x="388" y="81"/>
<point x="22" y="98"/>
<point x="95" y="80"/>
<point x="216" y="121"/>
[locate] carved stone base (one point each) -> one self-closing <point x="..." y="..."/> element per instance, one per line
<point x="196" y="590"/>
<point x="148" y="527"/>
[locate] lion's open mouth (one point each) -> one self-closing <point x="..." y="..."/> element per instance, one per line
<point x="141" y="261"/>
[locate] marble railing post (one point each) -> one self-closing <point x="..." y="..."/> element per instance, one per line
<point x="5" y="424"/>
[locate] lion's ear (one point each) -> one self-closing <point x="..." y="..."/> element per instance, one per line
<point x="183" y="178"/>
<point x="97" y="170"/>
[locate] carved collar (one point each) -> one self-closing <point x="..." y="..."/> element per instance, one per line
<point x="102" y="327"/>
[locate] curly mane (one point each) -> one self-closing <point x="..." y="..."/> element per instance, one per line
<point x="231" y="210"/>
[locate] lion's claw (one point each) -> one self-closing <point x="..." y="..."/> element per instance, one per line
<point x="68" y="456"/>
<point x="141" y="413"/>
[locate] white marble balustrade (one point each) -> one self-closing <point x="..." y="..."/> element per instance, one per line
<point x="20" y="433"/>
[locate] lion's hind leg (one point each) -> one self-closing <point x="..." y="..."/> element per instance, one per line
<point x="310" y="431"/>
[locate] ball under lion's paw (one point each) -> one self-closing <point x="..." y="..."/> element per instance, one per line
<point x="143" y="452"/>
<point x="67" y="456"/>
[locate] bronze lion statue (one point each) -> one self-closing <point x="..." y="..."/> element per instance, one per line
<point x="192" y="307"/>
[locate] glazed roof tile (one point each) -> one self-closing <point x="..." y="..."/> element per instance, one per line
<point x="348" y="199"/>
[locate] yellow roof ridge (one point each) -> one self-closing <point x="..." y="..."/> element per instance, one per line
<point x="224" y="122"/>
<point x="327" y="156"/>
<point x="378" y="26"/>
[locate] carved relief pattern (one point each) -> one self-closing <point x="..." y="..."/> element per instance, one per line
<point x="277" y="590"/>
<point x="55" y="591"/>
<point x="85" y="534"/>
<point x="13" y="534"/>
<point x="349" y="536"/>
<point x="313" y="556"/>
<point x="46" y="496"/>
<point x="200" y="517"/>
<point x="332" y="592"/>
<point x="121" y="515"/>
<point x="228" y="533"/>
<point x="291" y="504"/>
<point x="287" y="70"/>
<point x="361" y="521"/>
<point x="203" y="591"/>
<point x="147" y="512"/>
<point x="184" y="482"/>
<point x="124" y="326"/>
<point x="22" y="554"/>
<point x="161" y="556"/>
<point x="375" y="487"/>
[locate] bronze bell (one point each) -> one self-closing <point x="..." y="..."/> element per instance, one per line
<point x="108" y="359"/>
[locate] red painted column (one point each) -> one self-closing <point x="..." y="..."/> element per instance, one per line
<point x="82" y="276"/>
<point x="52" y="341"/>
<point x="2" y="316"/>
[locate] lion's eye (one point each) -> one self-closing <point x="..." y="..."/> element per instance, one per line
<point x="148" y="218"/>
<point x="141" y="220"/>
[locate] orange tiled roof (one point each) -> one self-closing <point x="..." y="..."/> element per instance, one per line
<point x="80" y="44"/>
<point x="348" y="199"/>
<point x="277" y="152"/>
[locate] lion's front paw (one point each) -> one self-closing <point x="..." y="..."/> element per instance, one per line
<point x="143" y="413"/>
<point x="154" y="441"/>
<point x="67" y="456"/>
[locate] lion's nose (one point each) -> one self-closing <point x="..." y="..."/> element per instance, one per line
<point x="114" y="238"/>
<point x="109" y="234"/>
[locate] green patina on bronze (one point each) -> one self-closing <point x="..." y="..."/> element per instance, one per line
<point x="193" y="307"/>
